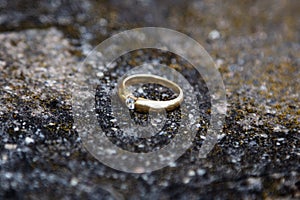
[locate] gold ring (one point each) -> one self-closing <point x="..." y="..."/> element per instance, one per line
<point x="143" y="105"/>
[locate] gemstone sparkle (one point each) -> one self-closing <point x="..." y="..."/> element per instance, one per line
<point x="130" y="102"/>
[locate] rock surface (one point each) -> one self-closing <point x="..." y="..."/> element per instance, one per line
<point x="41" y="154"/>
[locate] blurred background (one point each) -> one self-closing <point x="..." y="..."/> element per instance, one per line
<point x="96" y="20"/>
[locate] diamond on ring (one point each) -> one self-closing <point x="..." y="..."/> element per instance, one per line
<point x="130" y="101"/>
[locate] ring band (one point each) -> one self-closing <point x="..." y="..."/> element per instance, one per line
<point x="143" y="105"/>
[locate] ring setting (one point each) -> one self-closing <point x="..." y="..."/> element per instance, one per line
<point x="142" y="104"/>
<point x="130" y="102"/>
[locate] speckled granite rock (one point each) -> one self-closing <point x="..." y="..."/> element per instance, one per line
<point x="41" y="155"/>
